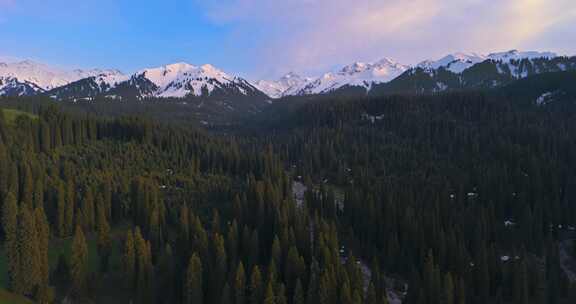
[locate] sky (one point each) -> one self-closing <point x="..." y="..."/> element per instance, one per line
<point x="267" y="38"/>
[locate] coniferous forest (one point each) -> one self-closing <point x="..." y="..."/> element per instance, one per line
<point x="453" y="198"/>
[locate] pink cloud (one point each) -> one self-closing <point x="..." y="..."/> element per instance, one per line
<point x="313" y="34"/>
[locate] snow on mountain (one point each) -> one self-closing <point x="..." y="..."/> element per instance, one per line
<point x="176" y="80"/>
<point x="181" y="79"/>
<point x="357" y="74"/>
<point x="457" y="62"/>
<point x="91" y="86"/>
<point x="518" y="55"/>
<point x="289" y="84"/>
<point x="45" y="77"/>
<point x="10" y="86"/>
<point x="110" y="79"/>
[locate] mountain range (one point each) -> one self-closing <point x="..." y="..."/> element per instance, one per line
<point x="182" y="80"/>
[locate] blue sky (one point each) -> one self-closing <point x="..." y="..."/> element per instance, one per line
<point x="123" y="34"/>
<point x="265" y="38"/>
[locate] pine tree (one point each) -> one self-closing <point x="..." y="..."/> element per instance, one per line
<point x="219" y="269"/>
<point x="240" y="285"/>
<point x="312" y="292"/>
<point x="166" y="272"/>
<point x="70" y="211"/>
<point x="29" y="269"/>
<point x="193" y="289"/>
<point x="371" y="296"/>
<point x="39" y="194"/>
<point x="10" y="226"/>
<point x="143" y="267"/>
<point x="88" y="209"/>
<point x="256" y="289"/>
<point x="232" y="243"/>
<point x="448" y="291"/>
<point x="61" y="219"/>
<point x="104" y="241"/>
<point x="43" y="236"/>
<point x="78" y="262"/>
<point x="269" y="297"/>
<point x="520" y="283"/>
<point x="345" y="293"/>
<point x="298" y="297"/>
<point x="27" y="186"/>
<point x="129" y="260"/>
<point x="281" y="294"/>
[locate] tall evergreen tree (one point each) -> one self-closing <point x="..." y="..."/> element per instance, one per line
<point x="193" y="289"/>
<point x="240" y="285"/>
<point x="129" y="260"/>
<point x="256" y="288"/>
<point x="269" y="297"/>
<point x="78" y="262"/>
<point x="10" y="227"/>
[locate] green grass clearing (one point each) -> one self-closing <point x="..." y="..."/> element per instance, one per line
<point x="12" y="114"/>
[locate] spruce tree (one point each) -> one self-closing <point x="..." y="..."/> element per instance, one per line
<point x="298" y="297"/>
<point x="256" y="286"/>
<point x="240" y="285"/>
<point x="448" y="290"/>
<point x="78" y="262"/>
<point x="269" y="297"/>
<point x="193" y="288"/>
<point x="10" y="227"/>
<point x="30" y="271"/>
<point x="129" y="260"/>
<point x="43" y="236"/>
<point x="104" y="241"/>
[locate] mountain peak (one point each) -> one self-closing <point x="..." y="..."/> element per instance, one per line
<point x="43" y="76"/>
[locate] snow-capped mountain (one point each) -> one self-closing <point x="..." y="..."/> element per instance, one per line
<point x="357" y="74"/>
<point x="473" y="71"/>
<point x="45" y="77"/>
<point x="288" y="84"/>
<point x="456" y="62"/>
<point x="10" y="86"/>
<point x="89" y="87"/>
<point x="176" y="80"/>
<point x="182" y="79"/>
<point x="519" y="55"/>
<point x="459" y="62"/>
<point x="179" y="80"/>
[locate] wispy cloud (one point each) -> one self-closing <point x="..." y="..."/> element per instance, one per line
<point x="313" y="34"/>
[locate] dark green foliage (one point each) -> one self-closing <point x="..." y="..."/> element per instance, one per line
<point x="431" y="190"/>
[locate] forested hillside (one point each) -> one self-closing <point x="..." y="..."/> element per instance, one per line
<point x="463" y="188"/>
<point x="448" y="198"/>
